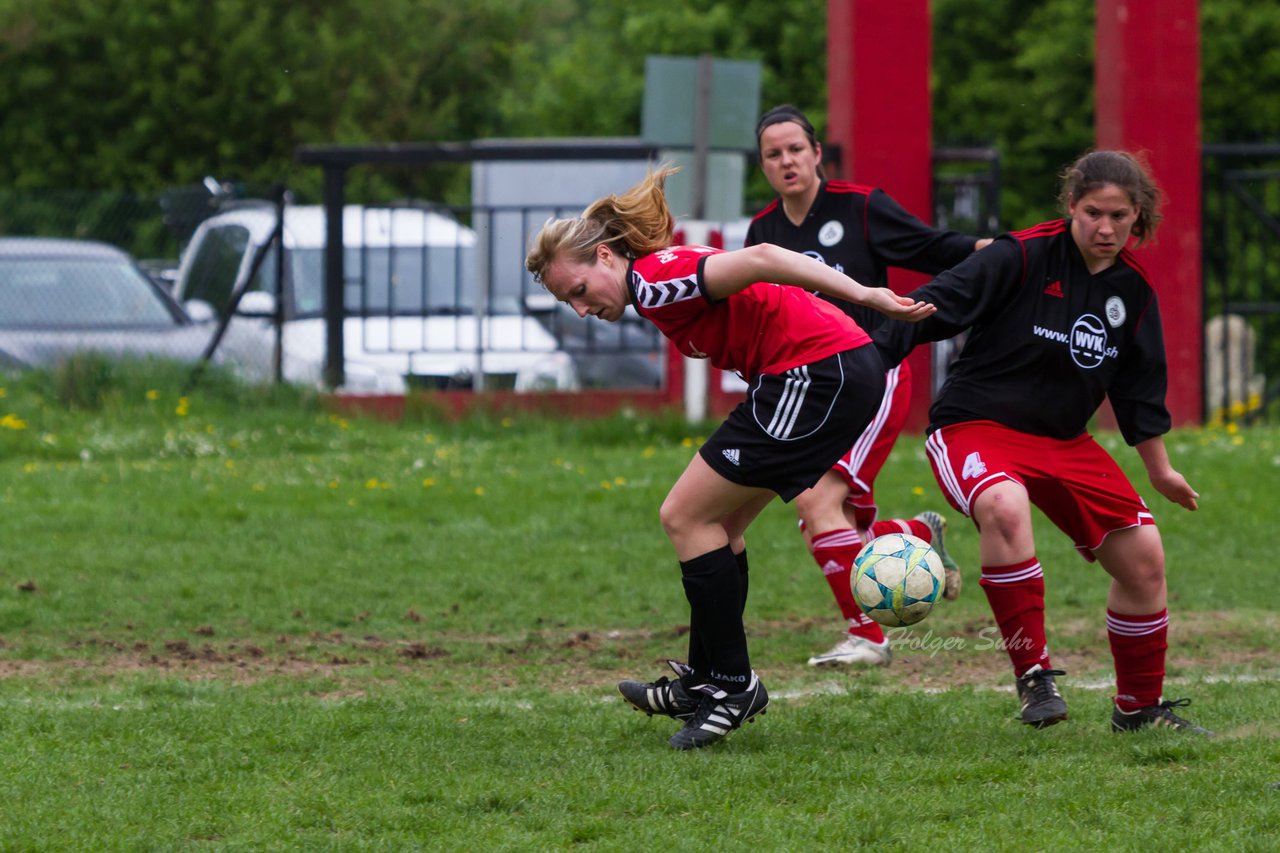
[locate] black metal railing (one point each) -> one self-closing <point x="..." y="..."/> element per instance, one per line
<point x="1241" y="239"/>
<point x="446" y="302"/>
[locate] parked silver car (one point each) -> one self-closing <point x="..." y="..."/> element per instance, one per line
<point x="64" y="296"/>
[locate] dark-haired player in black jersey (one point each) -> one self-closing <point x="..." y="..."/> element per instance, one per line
<point x="860" y="231"/>
<point x="1061" y="315"/>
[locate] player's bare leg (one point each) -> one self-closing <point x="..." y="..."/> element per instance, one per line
<point x="1014" y="585"/>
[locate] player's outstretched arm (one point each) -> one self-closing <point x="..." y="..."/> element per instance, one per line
<point x="729" y="272"/>
<point x="1163" y="477"/>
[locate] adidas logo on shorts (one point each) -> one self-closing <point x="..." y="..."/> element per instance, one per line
<point x="731" y="455"/>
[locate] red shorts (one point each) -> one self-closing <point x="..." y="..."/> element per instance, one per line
<point x="1075" y="483"/>
<point x="860" y="466"/>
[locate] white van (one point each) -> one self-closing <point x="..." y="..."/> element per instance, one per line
<point x="410" y="297"/>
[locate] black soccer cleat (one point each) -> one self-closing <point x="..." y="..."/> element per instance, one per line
<point x="663" y="696"/>
<point x="1156" y="716"/>
<point x="1042" y="704"/>
<point x="720" y="713"/>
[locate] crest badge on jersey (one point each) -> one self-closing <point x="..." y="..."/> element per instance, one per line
<point x="831" y="233"/>
<point x="1115" y="312"/>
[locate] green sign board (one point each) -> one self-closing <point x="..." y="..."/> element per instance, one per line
<point x="672" y="87"/>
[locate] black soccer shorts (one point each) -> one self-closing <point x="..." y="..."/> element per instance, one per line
<point x="793" y="426"/>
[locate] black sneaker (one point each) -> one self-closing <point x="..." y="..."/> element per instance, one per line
<point x="663" y="696"/>
<point x="720" y="713"/>
<point x="1042" y="704"/>
<point x="1155" y="716"/>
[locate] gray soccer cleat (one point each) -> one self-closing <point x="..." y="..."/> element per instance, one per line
<point x="937" y="525"/>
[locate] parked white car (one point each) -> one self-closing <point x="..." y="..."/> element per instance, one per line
<point x="410" y="295"/>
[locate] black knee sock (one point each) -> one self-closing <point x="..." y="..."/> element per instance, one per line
<point x="711" y="583"/>
<point x="742" y="578"/>
<point x="697" y="657"/>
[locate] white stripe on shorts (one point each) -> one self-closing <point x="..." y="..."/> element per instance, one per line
<point x="793" y="393"/>
<point x="866" y="441"/>
<point x="936" y="446"/>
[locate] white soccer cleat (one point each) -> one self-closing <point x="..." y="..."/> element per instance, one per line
<point x="854" y="651"/>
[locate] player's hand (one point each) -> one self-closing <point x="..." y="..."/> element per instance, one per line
<point x="1175" y="487"/>
<point x="898" y="307"/>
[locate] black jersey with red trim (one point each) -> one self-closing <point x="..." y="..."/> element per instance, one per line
<point x="861" y="231"/>
<point x="1048" y="339"/>
<point x="763" y="328"/>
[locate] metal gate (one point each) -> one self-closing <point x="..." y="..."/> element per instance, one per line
<point x="966" y="198"/>
<point x="1241" y="239"/>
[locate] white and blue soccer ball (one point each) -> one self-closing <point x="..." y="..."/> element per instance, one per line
<point x="897" y="579"/>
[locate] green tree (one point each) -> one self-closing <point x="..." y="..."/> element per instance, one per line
<point x="150" y="93"/>
<point x="146" y="94"/>
<point x="1240" y="71"/>
<point x="1016" y="76"/>
<point x="587" y="77"/>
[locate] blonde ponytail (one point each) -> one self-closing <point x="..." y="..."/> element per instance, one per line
<point x="637" y="222"/>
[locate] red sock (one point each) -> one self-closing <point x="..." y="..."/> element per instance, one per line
<point x="864" y="626"/>
<point x="1138" y="644"/>
<point x="918" y="529"/>
<point x="1016" y="595"/>
<point x="834" y="552"/>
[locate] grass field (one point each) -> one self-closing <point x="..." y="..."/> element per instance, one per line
<point x="235" y="620"/>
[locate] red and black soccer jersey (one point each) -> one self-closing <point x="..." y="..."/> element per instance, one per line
<point x="764" y="328"/>
<point x="1048" y="339"/>
<point x="861" y="231"/>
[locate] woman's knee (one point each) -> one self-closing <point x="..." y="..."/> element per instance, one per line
<point x="672" y="517"/>
<point x="807" y="502"/>
<point x="1004" y="512"/>
<point x="1135" y="559"/>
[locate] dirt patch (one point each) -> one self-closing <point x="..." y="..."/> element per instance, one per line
<point x="1200" y="644"/>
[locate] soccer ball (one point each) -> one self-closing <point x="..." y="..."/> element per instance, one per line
<point x="897" y="578"/>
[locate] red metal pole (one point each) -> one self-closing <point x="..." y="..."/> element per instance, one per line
<point x="878" y="114"/>
<point x="1147" y="86"/>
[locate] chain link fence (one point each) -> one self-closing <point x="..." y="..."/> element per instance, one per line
<point x="435" y="298"/>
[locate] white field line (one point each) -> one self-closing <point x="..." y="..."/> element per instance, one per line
<point x="831" y="688"/>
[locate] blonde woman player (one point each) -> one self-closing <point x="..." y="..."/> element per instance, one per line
<point x="813" y="379"/>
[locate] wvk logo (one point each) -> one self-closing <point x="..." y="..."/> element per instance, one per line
<point x="1089" y="342"/>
